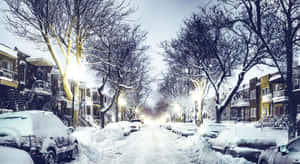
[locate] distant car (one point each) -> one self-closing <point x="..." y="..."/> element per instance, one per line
<point x="40" y="133"/>
<point x="185" y="129"/>
<point x="285" y="154"/>
<point x="9" y="155"/>
<point x="135" y="125"/>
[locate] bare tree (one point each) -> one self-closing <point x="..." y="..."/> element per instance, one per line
<point x="216" y="45"/>
<point x="118" y="56"/>
<point x="276" y="24"/>
<point x="65" y="25"/>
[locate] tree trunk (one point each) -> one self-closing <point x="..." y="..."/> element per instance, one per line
<point x="101" y="102"/>
<point x="117" y="108"/>
<point x="117" y="112"/>
<point x="102" y="119"/>
<point x="292" y="110"/>
<point x="218" y="115"/>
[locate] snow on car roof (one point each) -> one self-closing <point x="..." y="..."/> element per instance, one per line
<point x="32" y="122"/>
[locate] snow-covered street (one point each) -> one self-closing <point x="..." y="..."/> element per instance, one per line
<point x="151" y="144"/>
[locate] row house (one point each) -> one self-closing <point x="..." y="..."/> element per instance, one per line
<point x="266" y="97"/>
<point x="28" y="83"/>
<point x="240" y="107"/>
<point x="254" y="99"/>
<point x="8" y="78"/>
<point x="34" y="83"/>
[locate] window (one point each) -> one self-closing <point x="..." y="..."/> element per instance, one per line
<point x="265" y="91"/>
<point x="296" y="84"/>
<point x="253" y="94"/>
<point x="88" y="94"/>
<point x="253" y="112"/>
<point x="88" y="110"/>
<point x="5" y="64"/>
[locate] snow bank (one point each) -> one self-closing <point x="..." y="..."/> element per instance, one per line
<point x="14" y="156"/>
<point x="200" y="152"/>
<point x="97" y="145"/>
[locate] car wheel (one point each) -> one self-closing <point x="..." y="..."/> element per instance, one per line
<point x="75" y="152"/>
<point x="50" y="157"/>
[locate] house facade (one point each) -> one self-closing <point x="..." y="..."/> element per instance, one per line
<point x="8" y="78"/>
<point x="240" y="107"/>
<point x="254" y="99"/>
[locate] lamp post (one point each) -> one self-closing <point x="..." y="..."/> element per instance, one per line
<point x="195" y="96"/>
<point x="75" y="72"/>
<point x="122" y="103"/>
<point x="176" y="109"/>
<point x="73" y="103"/>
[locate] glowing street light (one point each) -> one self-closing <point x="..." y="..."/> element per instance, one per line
<point x="122" y="103"/>
<point x="136" y="110"/>
<point x="75" y="72"/>
<point x="176" y="108"/>
<point x="195" y="95"/>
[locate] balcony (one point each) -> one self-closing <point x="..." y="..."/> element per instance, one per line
<point x="279" y="96"/>
<point x="88" y="100"/>
<point x="267" y="98"/>
<point x="8" y="78"/>
<point x="42" y="87"/>
<point x="240" y="103"/>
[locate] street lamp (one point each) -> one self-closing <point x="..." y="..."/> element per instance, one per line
<point x="195" y="97"/>
<point x="75" y="72"/>
<point x="176" y="109"/>
<point x="122" y="103"/>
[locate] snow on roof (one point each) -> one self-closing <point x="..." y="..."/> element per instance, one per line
<point x="39" y="61"/>
<point x="5" y="50"/>
<point x="275" y="77"/>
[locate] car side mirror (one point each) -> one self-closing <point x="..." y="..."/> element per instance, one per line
<point x="70" y="130"/>
<point x="283" y="149"/>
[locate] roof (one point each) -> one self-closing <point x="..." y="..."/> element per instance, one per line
<point x="39" y="61"/>
<point x="5" y="50"/>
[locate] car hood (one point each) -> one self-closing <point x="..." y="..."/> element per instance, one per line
<point x="10" y="136"/>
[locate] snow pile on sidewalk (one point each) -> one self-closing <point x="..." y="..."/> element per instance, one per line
<point x="97" y="145"/>
<point x="200" y="152"/>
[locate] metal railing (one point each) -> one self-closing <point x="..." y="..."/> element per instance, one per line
<point x="8" y="74"/>
<point x="279" y="93"/>
<point x="41" y="85"/>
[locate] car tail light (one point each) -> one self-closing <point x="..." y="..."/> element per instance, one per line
<point x="31" y="141"/>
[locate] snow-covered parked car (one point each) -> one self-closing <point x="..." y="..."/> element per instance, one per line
<point x="184" y="129"/>
<point x="211" y="129"/>
<point x="117" y="130"/>
<point x="39" y="133"/>
<point x="246" y="141"/>
<point x="125" y="126"/>
<point x="9" y="155"/>
<point x="135" y="125"/>
<point x="284" y="154"/>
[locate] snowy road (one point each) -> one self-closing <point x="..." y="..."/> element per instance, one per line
<point x="151" y="145"/>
